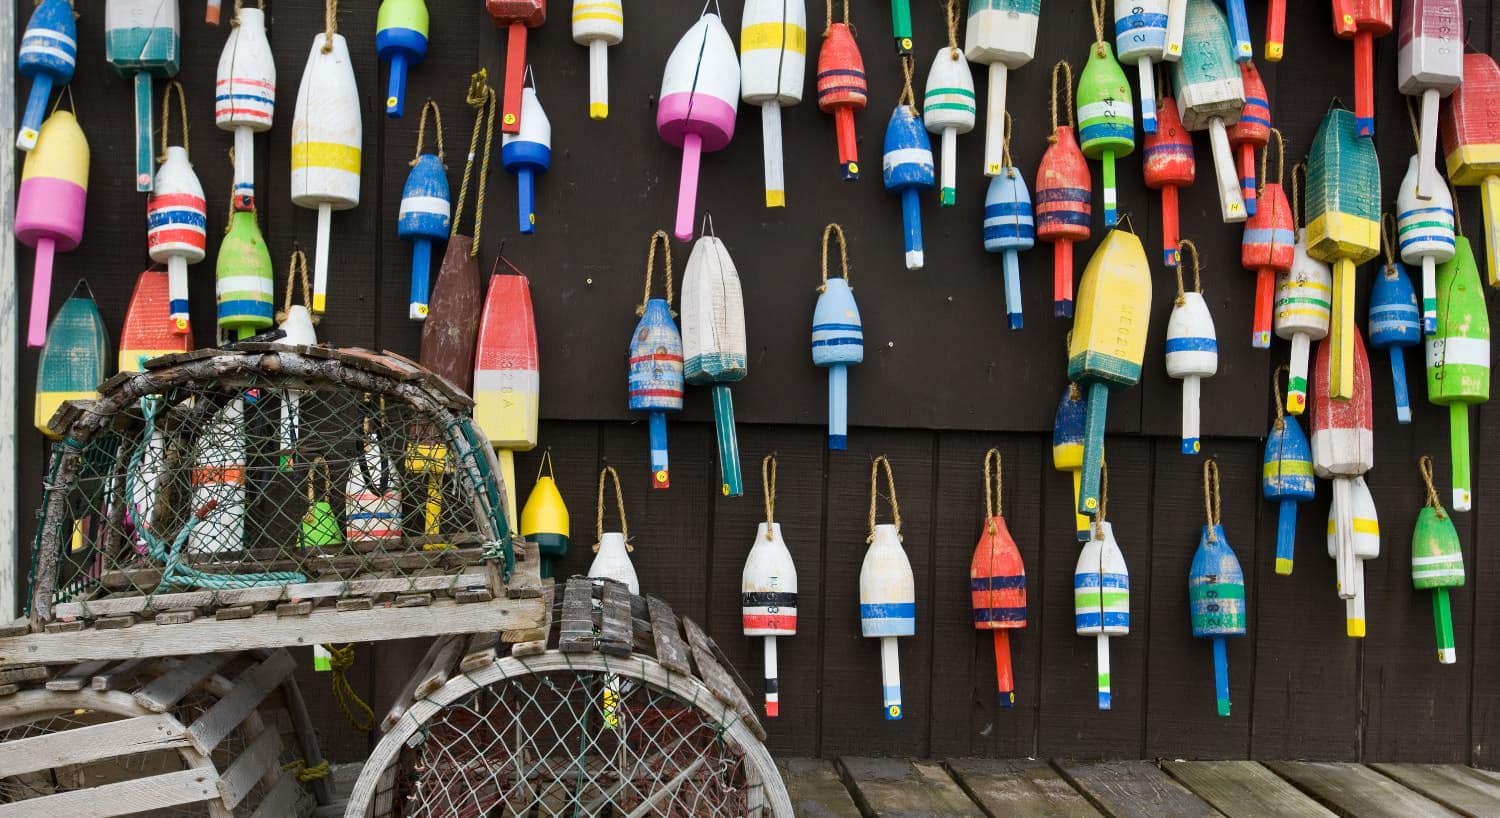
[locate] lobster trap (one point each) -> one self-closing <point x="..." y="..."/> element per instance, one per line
<point x="219" y="735"/>
<point x="631" y="713"/>
<point x="283" y="495"/>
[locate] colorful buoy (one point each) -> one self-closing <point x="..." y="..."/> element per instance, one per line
<point x="544" y="518"/>
<point x="1064" y="197"/>
<point x="296" y="323"/>
<point x="1303" y="307"/>
<point x="176" y="215"/>
<point x="1362" y="531"/>
<point x="1343" y="444"/>
<point x="1216" y="588"/>
<point x="401" y="40"/>
<point x="655" y="379"/>
<point x="1192" y="348"/>
<point x="773" y="56"/>
<point x="148" y="332"/>
<point x="528" y="154"/>
<point x="1211" y="92"/>
<point x="1286" y="477"/>
<point x="1268" y="247"/>
<point x="1424" y="233"/>
<point x="1458" y="358"/>
<point x="1275" y="30"/>
<point x="1101" y="597"/>
<point x="768" y="588"/>
<point x="1106" y="117"/>
<point x="997" y="581"/>
<point x="372" y="494"/>
<point x="319" y="527"/>
<point x="73" y="362"/>
<point x="141" y="41"/>
<point x="1252" y="131"/>
<point x="713" y="343"/>
<point x="842" y="90"/>
<point x="1140" y="36"/>
<point x="1471" y="146"/>
<point x="700" y="92"/>
<point x="507" y="376"/>
<point x="515" y="16"/>
<point x="599" y="24"/>
<point x="244" y="284"/>
<point x="1437" y="563"/>
<point x="218" y="480"/>
<point x="426" y="214"/>
<point x="1395" y="322"/>
<point x="1430" y="65"/>
<point x="948" y="109"/>
<point x="887" y="592"/>
<point x="1002" y="35"/>
<point x="48" y="55"/>
<point x="1067" y="446"/>
<point x="1169" y="165"/>
<point x="245" y="95"/>
<point x="1362" y="21"/>
<point x="838" y="339"/>
<point x="50" y="207"/>
<point x="1009" y="228"/>
<point x="907" y="170"/>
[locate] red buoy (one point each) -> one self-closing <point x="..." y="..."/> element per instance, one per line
<point x="1169" y="165"/>
<point x="841" y="88"/>
<point x="1064" y="197"/>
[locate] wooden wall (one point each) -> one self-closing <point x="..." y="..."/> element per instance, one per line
<point x="942" y="382"/>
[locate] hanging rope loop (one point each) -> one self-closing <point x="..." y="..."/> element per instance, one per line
<point x="166" y="117"/>
<point x="833" y="229"/>
<point x="319" y="467"/>
<point x="1298" y="169"/>
<point x="1458" y="222"/>
<point x="1096" y="8"/>
<point x="993" y="501"/>
<point x="1388" y="242"/>
<point x="437" y="116"/>
<point x="768" y="483"/>
<point x="330" y="24"/>
<point x="546" y="463"/>
<point x="1424" y="464"/>
<point x="908" y="96"/>
<point x="296" y="267"/>
<point x="1010" y="166"/>
<point x="1182" y="250"/>
<point x="609" y="471"/>
<point x="1101" y="518"/>
<point x="1276" y="393"/>
<point x="890" y="483"/>
<point x="1066" y="72"/>
<point x="1211" y="498"/>
<point x="666" y="245"/>
<point x="481" y="97"/>
<point x="1265" y="154"/>
<point x="951" y="17"/>
<point x="828" y="16"/>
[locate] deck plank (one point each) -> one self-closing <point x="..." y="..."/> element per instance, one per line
<point x="1134" y="789"/>
<point x="1356" y="791"/>
<point x="816" y="789"/>
<point x="899" y="788"/>
<point x="1454" y="787"/>
<point x="1244" y="789"/>
<point x="1028" y="787"/>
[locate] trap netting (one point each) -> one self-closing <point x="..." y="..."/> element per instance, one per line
<point x="241" y="477"/>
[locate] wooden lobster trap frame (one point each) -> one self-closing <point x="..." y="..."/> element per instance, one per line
<point x="210" y="735"/>
<point x="630" y="713"/>
<point x="263" y="495"/>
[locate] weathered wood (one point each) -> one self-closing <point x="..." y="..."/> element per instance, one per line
<point x="23" y="675"/>
<point x="122" y="797"/>
<point x="1243" y="789"/>
<point x="1356" y="790"/>
<point x="1456" y="788"/>
<point x="307" y="736"/>
<point x="671" y="651"/>
<point x="1134" y="789"/>
<point x="1019" y="787"/>
<point x="816" y="789"/>
<point x="536" y="646"/>
<point x="441" y="669"/>
<point x="114" y="623"/>
<point x="479" y="651"/>
<point x="235" y="612"/>
<point x="615" y="632"/>
<point x="287" y="798"/>
<point x="177" y="617"/>
<point x="78" y="676"/>
<point x="577" y="625"/>
<point x="717" y="678"/>
<point x="250" y="688"/>
<point x="165" y="691"/>
<point x="112" y="739"/>
<point x="121" y="676"/>
<point x="247" y="768"/>
<point x="898" y="788"/>
<point x="526" y="579"/>
<point x="266" y="630"/>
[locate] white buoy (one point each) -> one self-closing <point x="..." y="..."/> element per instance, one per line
<point x="768" y="601"/>
<point x="219" y="483"/>
<point x="1001" y="33"/>
<point x="245" y="96"/>
<point x="372" y="499"/>
<point x="177" y="229"/>
<point x="1192" y="350"/>
<point x="598" y="24"/>
<point x="327" y="137"/>
<point x="948" y="109"/>
<point x="773" y="67"/>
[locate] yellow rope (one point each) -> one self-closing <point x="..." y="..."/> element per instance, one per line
<point x="620" y="505"/>
<point x="437" y="115"/>
<point x="1182" y="248"/>
<point x="1066" y="71"/>
<point x="666" y="244"/>
<point x="299" y="770"/>
<point x="1276" y="393"/>
<point x="298" y="263"/>
<point x="993" y="501"/>
<point x="481" y="98"/>
<point x="1211" y="497"/>
<point x="768" y="483"/>
<point x="828" y="19"/>
<point x="951" y="13"/>
<point x="355" y="710"/>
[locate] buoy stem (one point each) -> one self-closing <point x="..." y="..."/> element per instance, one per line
<point x="1239" y="29"/>
<point x="1111" y="194"/>
<point x="1343" y="536"/>
<point x="1221" y="672"/>
<point x="1191" y="387"/>
<point x="1093" y="448"/>
<point x="1354" y="607"/>
<point x="508" y="474"/>
<point x="770" y="129"/>
<point x="515" y="70"/>
<point x="1398" y="384"/>
<point x="732" y="484"/>
<point x="145" y="153"/>
<point x="1458" y="437"/>
<point x="41" y="293"/>
<point x="890" y="677"/>
<point x="598" y="79"/>
<point x="320" y="262"/>
<point x="1364" y="83"/>
<point x="1147" y="74"/>
<point x="1176" y="23"/>
<point x="432" y="509"/>
<point x="1427" y="175"/>
<point x="994" y="120"/>
<point x="1489" y="197"/>
<point x="1013" y="307"/>
<point x="1005" y="682"/>
<point x="1231" y="204"/>
<point x="1286" y="536"/>
<point x="1275" y="30"/>
<point x="1442" y="614"/>
<point x="1296" y="380"/>
<point x="1062" y="278"/>
<point x="177" y="294"/>
<point x="948" y="194"/>
<point x="1341" y="330"/>
<point x="395" y="94"/>
<point x="687" y="188"/>
<point x="1247" y="177"/>
<point x="773" y="681"/>
<point x="211" y="11"/>
<point x="901" y="26"/>
<point x="1265" y="302"/>
<point x="1081" y="522"/>
<point x="36" y="109"/>
<point x="421" y="275"/>
<point x="838" y="407"/>
<point x="911" y="222"/>
<point x="1170" y="235"/>
<point x="1101" y="643"/>
<point x="1429" y="295"/>
<point x="660" y="475"/>
<point x="525" y="201"/>
<point x="843" y="128"/>
<point x="244" y="168"/>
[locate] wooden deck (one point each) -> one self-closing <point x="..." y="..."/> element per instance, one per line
<point x="899" y="788"/>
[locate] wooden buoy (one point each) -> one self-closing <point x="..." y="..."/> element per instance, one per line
<point x="773" y="56"/>
<point x="1101" y="595"/>
<point x="296" y="322"/>
<point x="768" y="588"/>
<point x="1064" y="196"/>
<point x="1343" y="444"/>
<point x="700" y="91"/>
<point x="997" y="581"/>
<point x="1437" y="563"/>
<point x="244" y="284"/>
<point x="1211" y="92"/>
<point x="1252" y="131"/>
<point x="1303" y="305"/>
<point x="48" y="55"/>
<point x="612" y="548"/>
<point x="176" y="214"/>
<point x="1275" y="30"/>
<point x="1171" y="50"/>
<point x="327" y="136"/>
<point x="1067" y="446"/>
<point x="507" y="375"/>
<point x="1269" y="245"/>
<point x="655" y="379"/>
<point x="1430" y="65"/>
<point x="218" y="480"/>
<point x="713" y="342"/>
<point x="907" y="170"/>
<point x="901" y="27"/>
<point x="1343" y="225"/>
<point x="148" y="333"/>
<point x="528" y="154"/>
<point x="887" y="591"/>
<point x="372" y="493"/>
<point x="1009" y="228"/>
<point x="74" y="360"/>
<point x="841" y="88"/>
<point x="1192" y="348"/>
<point x="1168" y="163"/>
<point x="1395" y="320"/>
<point x="426" y="214"/>
<point x="1286" y="477"/>
<point x="1106" y="116"/>
<point x="1108" y="342"/>
<point x="50" y="207"/>
<point x="1216" y="587"/>
<point x="599" y="24"/>
<point x="1239" y="30"/>
<point x="1362" y="21"/>
<point x="245" y="95"/>
<point x="1362" y="529"/>
<point x="1458" y="358"/>
<point x="544" y="518"/>
<point x="1002" y="35"/>
<point x="142" y="42"/>
<point x="948" y="109"/>
<point x="319" y="527"/>
<point x="1140" y="35"/>
<point x="838" y="339"/>
<point x="1424" y="233"/>
<point x="515" y="16"/>
<point x="1471" y="146"/>
<point x="401" y="40"/>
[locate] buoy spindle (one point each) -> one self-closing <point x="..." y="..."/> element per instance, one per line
<point x="142" y="42"/>
<point x="401" y="40"/>
<point x="50" y="207"/>
<point x="48" y="55"/>
<point x="1002" y="35"/>
<point x="1176" y="30"/>
<point x="598" y="24"/>
<point x="515" y="16"/>
<point x="1275" y="30"/>
<point x="773" y="57"/>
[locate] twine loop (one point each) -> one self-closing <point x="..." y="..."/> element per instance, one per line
<point x="437" y="116"/>
<point x="545" y="463"/>
<point x="1458" y="221"/>
<point x="1424" y="465"/>
<point x="481" y="97"/>
<point x="1182" y="248"/>
<point x="828" y="16"/>
<point x="1411" y="117"/>
<point x="1066" y="70"/>
<point x="610" y="472"/>
<point x="1388" y="242"/>
<point x="890" y="482"/>
<point x="1101" y="518"/>
<point x="666" y="245"/>
<point x="166" y="116"/>
<point x="330" y="24"/>
<point x="833" y="229"/>
<point x="1299" y="168"/>
<point x="908" y="96"/>
<point x="951" y="17"/>
<point x="1211" y="506"/>
<point x="1265" y="154"/>
<point x="1005" y="147"/>
<point x="1276" y="393"/>
<point x="768" y="482"/>
<point x="296" y="267"/>
<point x="319" y="466"/>
<point x="239" y="5"/>
<point x="1096" y="8"/>
<point x="993" y="499"/>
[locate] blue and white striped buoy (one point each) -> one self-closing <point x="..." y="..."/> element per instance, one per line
<point x="1101" y="598"/>
<point x="49" y="52"/>
<point x="426" y="214"/>
<point x="838" y="341"/>
<point x="528" y="155"/>
<point x="1425" y="234"/>
<point x="887" y="608"/>
<point x="1395" y="323"/>
<point x="908" y="170"/>
<point x="1009" y="229"/>
<point x="1192" y="354"/>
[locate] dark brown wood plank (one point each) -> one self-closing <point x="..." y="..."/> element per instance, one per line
<point x="815" y="788"/>
<point x="1243" y="789"/>
<point x="1484" y="593"/>
<point x="1356" y="790"/>
<point x="1019" y="787"/>
<point x="1453" y="786"/>
<point x="899" y="788"/>
<point x="1133" y="789"/>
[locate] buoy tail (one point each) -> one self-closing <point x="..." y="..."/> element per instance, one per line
<point x="395" y="92"/>
<point x="1442" y="613"/>
<point x="421" y="275"/>
<point x="1398" y="385"/>
<point x="1062" y="279"/>
<point x="1296" y="380"/>
<point x="515" y="69"/>
<point x="1275" y="30"/>
<point x="770" y="128"/>
<point x="41" y="293"/>
<point x="1221" y="670"/>
<point x="1265" y="300"/>
<point x="1364" y="84"/>
<point x="1013" y="307"/>
<point x="911" y="222"/>
<point x="145" y="154"/>
<point x="687" y="189"/>
<point x="994" y="120"/>
<point x="1247" y="177"/>
<point x="1340" y="331"/>
<point x="1005" y="682"/>
<point x="1148" y="94"/>
<point x="1111" y="191"/>
<point x="1231" y="202"/>
<point x="1093" y="448"/>
<point x="660" y="476"/>
<point x="36" y="110"/>
<point x="1102" y="645"/>
<point x="1239" y="30"/>
<point x="1429" y="295"/>
<point x="1458" y="437"/>
<point x="729" y="445"/>
<point x="773" y="682"/>
<point x="890" y="677"/>
<point x="1286" y="537"/>
<point x="838" y="408"/>
<point x="1489" y="194"/>
<point x="1170" y="235"/>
